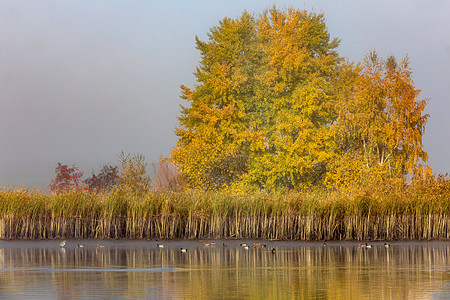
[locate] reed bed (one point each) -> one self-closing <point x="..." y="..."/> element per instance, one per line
<point x="382" y="211"/>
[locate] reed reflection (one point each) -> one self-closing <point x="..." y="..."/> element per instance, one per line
<point x="342" y="271"/>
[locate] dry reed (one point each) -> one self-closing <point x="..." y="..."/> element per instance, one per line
<point x="382" y="211"/>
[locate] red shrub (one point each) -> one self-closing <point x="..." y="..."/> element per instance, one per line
<point x="67" y="179"/>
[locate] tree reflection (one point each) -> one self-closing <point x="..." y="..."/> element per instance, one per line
<point x="344" y="271"/>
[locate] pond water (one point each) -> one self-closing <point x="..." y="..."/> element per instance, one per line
<point x="292" y="270"/>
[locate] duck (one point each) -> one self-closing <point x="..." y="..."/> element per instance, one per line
<point x="63" y="243"/>
<point x="362" y="245"/>
<point x="243" y="244"/>
<point x="224" y="245"/>
<point x="206" y="244"/>
<point x="272" y="250"/>
<point x="246" y="247"/>
<point x="80" y="245"/>
<point x="386" y="245"/>
<point x="100" y="246"/>
<point x="368" y="246"/>
<point x="183" y="250"/>
<point x="324" y="244"/>
<point x="160" y="245"/>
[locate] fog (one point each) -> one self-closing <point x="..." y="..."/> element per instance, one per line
<point x="81" y="81"/>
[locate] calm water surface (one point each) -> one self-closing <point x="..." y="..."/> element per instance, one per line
<point x="296" y="270"/>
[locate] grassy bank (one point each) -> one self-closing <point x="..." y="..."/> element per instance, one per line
<point x="388" y="211"/>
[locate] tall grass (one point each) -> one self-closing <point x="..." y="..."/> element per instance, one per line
<point x="381" y="211"/>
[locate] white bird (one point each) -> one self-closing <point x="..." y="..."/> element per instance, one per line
<point x="183" y="250"/>
<point x="63" y="243"/>
<point x="160" y="245"/>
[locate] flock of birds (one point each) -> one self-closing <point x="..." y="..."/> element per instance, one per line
<point x="184" y="250"/>
<point x="208" y="244"/>
<point x="64" y="243"/>
<point x="365" y="245"/>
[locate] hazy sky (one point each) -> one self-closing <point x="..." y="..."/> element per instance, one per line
<point x="81" y="81"/>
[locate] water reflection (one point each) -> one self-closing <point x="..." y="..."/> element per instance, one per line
<point x="292" y="271"/>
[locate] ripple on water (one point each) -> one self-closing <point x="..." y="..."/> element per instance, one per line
<point x="43" y="270"/>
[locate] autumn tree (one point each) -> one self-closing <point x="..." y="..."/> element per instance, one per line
<point x="276" y="107"/>
<point x="260" y="111"/>
<point x="105" y="180"/>
<point x="67" y="179"/>
<point x="380" y="122"/>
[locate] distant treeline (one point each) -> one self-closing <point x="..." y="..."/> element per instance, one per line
<point x="374" y="211"/>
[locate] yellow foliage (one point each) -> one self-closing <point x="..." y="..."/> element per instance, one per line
<point x="275" y="107"/>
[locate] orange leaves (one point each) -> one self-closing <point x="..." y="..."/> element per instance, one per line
<point x="381" y="119"/>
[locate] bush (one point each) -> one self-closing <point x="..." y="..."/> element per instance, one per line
<point x="67" y="179"/>
<point x="166" y="176"/>
<point x="133" y="178"/>
<point x="103" y="181"/>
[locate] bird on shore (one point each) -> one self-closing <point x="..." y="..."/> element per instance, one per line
<point x="63" y="243"/>
<point x="183" y="250"/>
<point x="160" y="245"/>
<point x="386" y="245"/>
